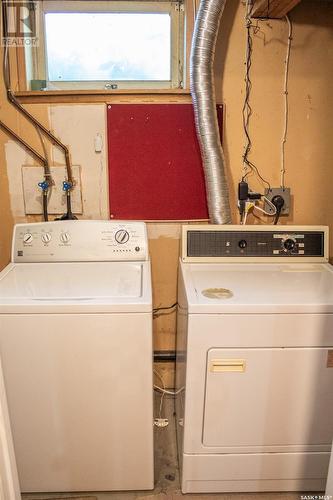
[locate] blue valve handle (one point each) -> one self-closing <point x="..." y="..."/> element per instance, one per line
<point x="44" y="185"/>
<point x="67" y="186"/>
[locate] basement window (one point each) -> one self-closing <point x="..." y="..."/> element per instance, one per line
<point x="106" y="45"/>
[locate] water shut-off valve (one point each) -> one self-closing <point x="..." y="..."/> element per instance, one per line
<point x="67" y="186"/>
<point x="44" y="186"/>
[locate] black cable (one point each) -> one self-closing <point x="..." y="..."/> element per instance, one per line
<point x="253" y="167"/>
<point x="69" y="214"/>
<point x="278" y="202"/>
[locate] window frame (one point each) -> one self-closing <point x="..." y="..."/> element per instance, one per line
<point x="36" y="56"/>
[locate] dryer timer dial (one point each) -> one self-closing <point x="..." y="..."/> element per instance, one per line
<point x="289" y="244"/>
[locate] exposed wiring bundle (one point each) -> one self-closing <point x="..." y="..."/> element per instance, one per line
<point x="248" y="166"/>
<point x="249" y="200"/>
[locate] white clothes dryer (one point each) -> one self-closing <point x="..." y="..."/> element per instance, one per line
<point x="254" y="358"/>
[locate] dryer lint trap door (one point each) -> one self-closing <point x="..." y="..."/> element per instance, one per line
<point x="258" y="400"/>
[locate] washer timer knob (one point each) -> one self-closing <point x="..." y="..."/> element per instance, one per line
<point x="289" y="244"/>
<point x="65" y="237"/>
<point x="46" y="237"/>
<point x="121" y="236"/>
<point x="27" y="238"/>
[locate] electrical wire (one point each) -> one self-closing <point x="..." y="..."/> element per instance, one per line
<point x="286" y="103"/>
<point x="256" y="207"/>
<point x="162" y="390"/>
<point x="248" y="166"/>
<point x="248" y="206"/>
<point x="165" y="391"/>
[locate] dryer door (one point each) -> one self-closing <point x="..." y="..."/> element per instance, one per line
<point x="276" y="399"/>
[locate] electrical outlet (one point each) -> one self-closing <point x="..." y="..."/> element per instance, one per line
<point x="284" y="193"/>
<point x="161" y="422"/>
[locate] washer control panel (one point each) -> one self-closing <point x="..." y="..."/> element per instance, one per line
<point x="80" y="241"/>
<point x="208" y="243"/>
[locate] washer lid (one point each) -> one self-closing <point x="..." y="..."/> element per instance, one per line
<point x="119" y="286"/>
<point x="240" y="288"/>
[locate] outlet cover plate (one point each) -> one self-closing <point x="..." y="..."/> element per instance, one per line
<point x="284" y="192"/>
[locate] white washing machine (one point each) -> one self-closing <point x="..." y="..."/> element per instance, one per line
<point x="254" y="358"/>
<point x="9" y="485"/>
<point x="76" y="348"/>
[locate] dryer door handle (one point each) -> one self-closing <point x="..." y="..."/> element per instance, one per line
<point x="227" y="365"/>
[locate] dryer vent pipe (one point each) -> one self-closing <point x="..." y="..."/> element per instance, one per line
<point x="204" y="102"/>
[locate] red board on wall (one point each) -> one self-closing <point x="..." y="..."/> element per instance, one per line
<point x="155" y="168"/>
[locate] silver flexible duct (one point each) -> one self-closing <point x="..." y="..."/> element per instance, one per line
<point x="204" y="102"/>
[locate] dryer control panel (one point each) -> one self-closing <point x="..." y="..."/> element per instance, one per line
<point x="219" y="243"/>
<point x="80" y="241"/>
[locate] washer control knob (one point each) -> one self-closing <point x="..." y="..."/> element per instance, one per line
<point x="242" y="244"/>
<point x="46" y="237"/>
<point x="65" y="237"/>
<point x="27" y="238"/>
<point x="121" y="236"/>
<point x="289" y="244"/>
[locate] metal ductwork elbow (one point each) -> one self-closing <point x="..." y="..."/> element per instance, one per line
<point x="204" y="102"/>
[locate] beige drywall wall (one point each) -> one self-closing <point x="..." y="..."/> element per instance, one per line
<point x="308" y="149"/>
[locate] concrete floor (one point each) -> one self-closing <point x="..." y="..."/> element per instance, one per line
<point x="166" y="475"/>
